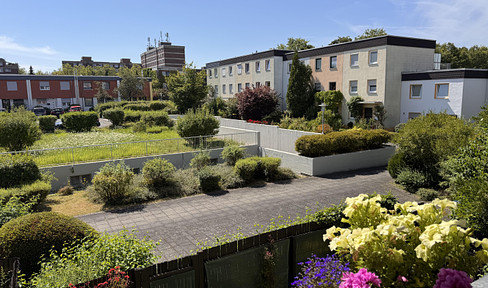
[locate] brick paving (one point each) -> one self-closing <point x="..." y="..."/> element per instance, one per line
<point x="180" y="224"/>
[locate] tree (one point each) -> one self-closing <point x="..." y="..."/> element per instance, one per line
<point x="130" y="86"/>
<point x="18" y="130"/>
<point x="340" y="39"/>
<point x="462" y="57"/>
<point x="355" y="107"/>
<point x="257" y="102"/>
<point x="300" y="95"/>
<point x="370" y="33"/>
<point x="31" y="71"/>
<point x="295" y="44"/>
<point x="101" y="94"/>
<point x="332" y="98"/>
<point x="187" y="89"/>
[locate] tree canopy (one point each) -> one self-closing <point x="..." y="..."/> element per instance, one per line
<point x="187" y="89"/>
<point x="300" y="95"/>
<point x="131" y="86"/>
<point x="340" y="39"/>
<point x="463" y="57"/>
<point x="370" y="33"/>
<point x="295" y="44"/>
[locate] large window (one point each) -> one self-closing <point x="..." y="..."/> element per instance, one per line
<point x="373" y="57"/>
<point x="88" y="101"/>
<point x="318" y="64"/>
<point x="11" y="86"/>
<point x="64" y="85"/>
<point x="415" y="91"/>
<point x="318" y="87"/>
<point x="333" y="62"/>
<point x="441" y="91"/>
<point x="353" y="87"/>
<point x="44" y="85"/>
<point x="258" y="66"/>
<point x="267" y="65"/>
<point x="354" y="60"/>
<point x="246" y="68"/>
<point x="239" y="69"/>
<point x="372" y="86"/>
<point x="87" y="86"/>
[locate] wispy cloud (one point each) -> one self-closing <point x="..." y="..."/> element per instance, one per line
<point x="10" y="46"/>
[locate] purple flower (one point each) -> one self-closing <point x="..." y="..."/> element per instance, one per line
<point x="321" y="272"/>
<point x="361" y="279"/>
<point x="450" y="278"/>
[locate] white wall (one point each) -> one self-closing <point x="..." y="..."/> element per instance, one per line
<point x="475" y="96"/>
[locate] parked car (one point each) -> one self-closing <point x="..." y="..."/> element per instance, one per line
<point x="57" y="111"/>
<point x="75" y="109"/>
<point x="39" y="110"/>
<point x="3" y="110"/>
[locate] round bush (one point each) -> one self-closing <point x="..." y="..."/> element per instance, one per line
<point x="116" y="116"/>
<point x="197" y="123"/>
<point x="18" y="130"/>
<point x="396" y="164"/>
<point x="232" y="153"/>
<point x="46" y="123"/>
<point x="79" y="121"/>
<point x="17" y="169"/>
<point x="412" y="180"/>
<point x="209" y="180"/>
<point x="157" y="105"/>
<point x="246" y="169"/>
<point x="31" y="236"/>
<point x="157" y="172"/>
<point x="427" y="194"/>
<point x="113" y="183"/>
<point x="159" y="118"/>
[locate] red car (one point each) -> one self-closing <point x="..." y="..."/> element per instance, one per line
<point x="74" y="108"/>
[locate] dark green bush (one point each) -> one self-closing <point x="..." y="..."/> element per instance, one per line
<point x="341" y="142"/>
<point x="101" y="107"/>
<point x="200" y="160"/>
<point x="268" y="167"/>
<point x="246" y="169"/>
<point x="157" y="105"/>
<point x="113" y="183"/>
<point x="132" y="116"/>
<point x="79" y="121"/>
<point x="31" y="236"/>
<point x="18" y="130"/>
<point x="17" y="169"/>
<point x="216" y="106"/>
<point x="116" y="116"/>
<point x="331" y="216"/>
<point x="137" y="107"/>
<point x="158" y="118"/>
<point x="396" y="164"/>
<point x="427" y="194"/>
<point x="38" y="189"/>
<point x="46" y="123"/>
<point x="284" y="174"/>
<point x="209" y="180"/>
<point x="254" y="168"/>
<point x="197" y="123"/>
<point x="157" y="172"/>
<point x="412" y="180"/>
<point x="232" y="153"/>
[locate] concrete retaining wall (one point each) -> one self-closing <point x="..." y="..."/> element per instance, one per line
<point x="87" y="170"/>
<point x="334" y="163"/>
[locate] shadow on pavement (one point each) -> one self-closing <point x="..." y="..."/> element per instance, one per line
<point x="217" y="193"/>
<point x="133" y="208"/>
<point x="350" y="174"/>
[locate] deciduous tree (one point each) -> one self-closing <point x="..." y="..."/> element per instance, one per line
<point x="295" y="44"/>
<point x="187" y="89"/>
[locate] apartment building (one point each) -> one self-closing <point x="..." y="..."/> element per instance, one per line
<point x="459" y="92"/>
<point x="87" y="61"/>
<point x="57" y="90"/>
<point x="164" y="58"/>
<point x="8" y="68"/>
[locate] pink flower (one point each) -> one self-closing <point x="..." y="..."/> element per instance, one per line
<point x="401" y="278"/>
<point x="361" y="279"/>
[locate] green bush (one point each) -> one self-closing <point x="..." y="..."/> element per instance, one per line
<point x="155" y="129"/>
<point x="200" y="160"/>
<point x="79" y="121"/>
<point x="15" y="208"/>
<point x="157" y="172"/>
<point x="170" y="107"/>
<point x="46" y="123"/>
<point x="246" y="169"/>
<point x="341" y="142"/>
<point x="253" y="168"/>
<point x="132" y="116"/>
<point x="284" y="174"/>
<point x="66" y="190"/>
<point x="157" y="105"/>
<point x="396" y="164"/>
<point x="116" y="116"/>
<point x="412" y="180"/>
<point x="113" y="183"/>
<point x="427" y="194"/>
<point x="17" y="169"/>
<point x="268" y="167"/>
<point x="31" y="236"/>
<point x="101" y="107"/>
<point x="92" y="258"/>
<point x="159" y="118"/>
<point x="137" y="107"/>
<point x="18" y="130"/>
<point x="228" y="176"/>
<point x="139" y="127"/>
<point x="216" y="106"/>
<point x="231" y="109"/>
<point x="209" y="180"/>
<point x="39" y="189"/>
<point x="232" y="153"/>
<point x="197" y="123"/>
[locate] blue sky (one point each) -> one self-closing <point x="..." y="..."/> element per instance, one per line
<point x="43" y="33"/>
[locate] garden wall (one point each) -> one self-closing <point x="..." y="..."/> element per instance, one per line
<point x="79" y="173"/>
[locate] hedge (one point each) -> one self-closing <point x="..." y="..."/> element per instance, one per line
<point x="159" y="118"/>
<point x="132" y="116"/>
<point x="79" y="121"/>
<point x="37" y="189"/>
<point x="47" y="122"/>
<point x="253" y="168"/>
<point x="17" y="169"/>
<point x="341" y="142"/>
<point x="116" y="116"/>
<point x="137" y="107"/>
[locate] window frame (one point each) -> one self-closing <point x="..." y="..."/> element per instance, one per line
<point x="239" y="87"/>
<point x="43" y="86"/>
<point x="61" y="88"/>
<point x="210" y="73"/>
<point x="85" y="87"/>
<point x="247" y="85"/>
<point x="267" y="65"/>
<point x="408" y="116"/>
<point x="247" y="68"/>
<point x="375" y="85"/>
<point x="105" y="84"/>
<point x="223" y="72"/>
<point x="436" y="91"/>
<point x="350" y="60"/>
<point x="258" y="84"/>
<point x="239" y="69"/>
<point x="231" y="88"/>
<point x="410" y="96"/>
<point x="267" y="83"/>
<point x="257" y="66"/>
<point x="335" y="85"/>
<point x="12" y="88"/>
<point x="231" y="73"/>
<point x="224" y="89"/>
<point x="330" y="62"/>
<point x="350" y="86"/>
<point x="319" y="86"/>
<point x="216" y="72"/>
<point x="319" y="67"/>
<point x="90" y="99"/>
<point x="369" y="57"/>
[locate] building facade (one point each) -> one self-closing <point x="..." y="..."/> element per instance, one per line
<point x="87" y="61"/>
<point x="57" y="90"/>
<point x="8" y="68"/>
<point x="164" y="58"/>
<point x="459" y="92"/>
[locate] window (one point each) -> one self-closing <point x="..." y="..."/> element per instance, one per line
<point x="354" y="59"/>
<point x="210" y="73"/>
<point x="239" y="69"/>
<point x="289" y="67"/>
<point x="332" y="85"/>
<point x="371" y="86"/>
<point x="258" y="84"/>
<point x="66" y="102"/>
<point x="44" y="85"/>
<point x="246" y="68"/>
<point x="267" y="65"/>
<point x="223" y="72"/>
<point x="64" y="85"/>
<point x="230" y="89"/>
<point x="11" y="86"/>
<point x="87" y="86"/>
<point x="216" y="72"/>
<point x="216" y="90"/>
<point x="258" y="66"/>
<point x="247" y="85"/>
<point x="412" y="115"/>
<point x="368" y="113"/>
<point x="333" y="62"/>
<point x="267" y="84"/>
<point x="318" y="87"/>
<point x="353" y="87"/>
<point x="88" y="101"/>
<point x="441" y="91"/>
<point x="224" y="91"/>
<point x="8" y="70"/>
<point x="415" y="91"/>
<point x="41" y="101"/>
<point x="230" y="70"/>
<point x="239" y="87"/>
<point x="373" y="57"/>
<point x="106" y="85"/>
<point x="318" y="64"/>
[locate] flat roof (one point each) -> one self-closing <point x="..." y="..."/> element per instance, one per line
<point x="249" y="57"/>
<point x="61" y="77"/>
<point x="446" y="74"/>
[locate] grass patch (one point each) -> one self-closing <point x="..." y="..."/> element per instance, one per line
<point x="70" y="205"/>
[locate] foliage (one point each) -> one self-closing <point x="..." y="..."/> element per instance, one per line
<point x="157" y="173"/>
<point x="187" y="89"/>
<point x="113" y="182"/>
<point x="38" y="189"/>
<point x="255" y="103"/>
<point x="321" y="272"/>
<point x="450" y="278"/>
<point x="197" y="123"/>
<point x="46" y="123"/>
<point x="254" y="168"/>
<point x="354" y="107"/>
<point x="105" y="70"/>
<point x="131" y="86"/>
<point x="341" y="142"/>
<point x="295" y="44"/>
<point x="200" y="160"/>
<point x="31" y="236"/>
<point x="185" y="182"/>
<point x="300" y="94"/>
<point x="15" y="208"/>
<point x="18" y="129"/>
<point x="231" y="109"/>
<point x="463" y="57"/>
<point x="92" y="257"/>
<point x="232" y="153"/>
<point x="116" y="279"/>
<point x="362" y="278"/>
<point x="481" y="120"/>
<point x="273" y="117"/>
<point x="396" y="164"/>
<point x="412" y="180"/>
<point x="132" y="116"/>
<point x="331" y="98"/>
<point x="380" y="114"/>
<point x="283" y="173"/>
<point x="209" y="180"/>
<point x="228" y="177"/>
<point x="79" y="121"/>
<point x="216" y="106"/>
<point x="370" y="33"/>
<point x="109" y="105"/>
<point x="158" y="118"/>
<point x="139" y="106"/>
<point x="341" y="39"/>
<point x="18" y="169"/>
<point x="413" y="239"/>
<point x="157" y="105"/>
<point x="102" y="95"/>
<point x="301" y="124"/>
<point x="427" y="194"/>
<point x="66" y="190"/>
<point x="116" y="116"/>
<point x="139" y="127"/>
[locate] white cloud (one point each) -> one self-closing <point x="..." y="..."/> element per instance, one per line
<point x="9" y="46"/>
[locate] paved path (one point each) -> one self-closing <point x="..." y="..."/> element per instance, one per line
<point x="181" y="223"/>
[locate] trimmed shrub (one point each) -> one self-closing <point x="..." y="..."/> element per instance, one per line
<point x="101" y="107"/>
<point x="155" y="129"/>
<point x="197" y="123"/>
<point x="228" y="176"/>
<point x="246" y="169"/>
<point x="116" y="116"/>
<point x="159" y="118"/>
<point x="157" y="172"/>
<point x="17" y="169"/>
<point x="31" y="236"/>
<point x="232" y="153"/>
<point x="268" y="167"/>
<point x="396" y="164"/>
<point x="257" y="168"/>
<point x="209" y="180"/>
<point x="137" y="107"/>
<point x="200" y="160"/>
<point x="139" y="127"/>
<point x="132" y="116"/>
<point x="18" y="130"/>
<point x="284" y="174"/>
<point x="46" y="123"/>
<point x="257" y="102"/>
<point x="39" y="190"/>
<point x="157" y="105"/>
<point x="341" y="142"/>
<point x="427" y="194"/>
<point x="412" y="180"/>
<point x="170" y="107"/>
<point x="79" y="121"/>
<point x="113" y="182"/>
